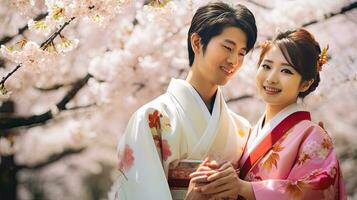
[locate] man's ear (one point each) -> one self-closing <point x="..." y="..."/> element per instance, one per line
<point x="196" y="43"/>
<point x="305" y="85"/>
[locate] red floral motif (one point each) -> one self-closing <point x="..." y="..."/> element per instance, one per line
<point x="154" y="120"/>
<point x="126" y="158"/>
<point x="157" y="141"/>
<point x="166" y="152"/>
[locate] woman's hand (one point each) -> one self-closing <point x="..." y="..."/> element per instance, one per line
<point x="199" y="178"/>
<point x="195" y="195"/>
<point x="224" y="183"/>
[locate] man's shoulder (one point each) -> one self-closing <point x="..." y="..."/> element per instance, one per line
<point x="241" y="120"/>
<point x="158" y="104"/>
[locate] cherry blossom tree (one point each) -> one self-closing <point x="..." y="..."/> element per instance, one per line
<point x="73" y="72"/>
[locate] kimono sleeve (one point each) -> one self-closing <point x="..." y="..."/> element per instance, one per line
<point x="315" y="174"/>
<point x="143" y="176"/>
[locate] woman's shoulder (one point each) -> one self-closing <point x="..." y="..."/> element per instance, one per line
<point x="312" y="130"/>
<point x="310" y="125"/>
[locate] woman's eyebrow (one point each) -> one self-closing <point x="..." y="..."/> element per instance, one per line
<point x="286" y="64"/>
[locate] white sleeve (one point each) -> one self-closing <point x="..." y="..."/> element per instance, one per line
<point x="139" y="161"/>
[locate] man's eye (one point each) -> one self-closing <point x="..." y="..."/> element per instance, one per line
<point x="228" y="48"/>
<point x="265" y="66"/>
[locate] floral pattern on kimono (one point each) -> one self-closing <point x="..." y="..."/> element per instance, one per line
<point x="126" y="159"/>
<point x="241" y="133"/>
<point x="272" y="157"/>
<point x="160" y="124"/>
<point x="174" y="126"/>
<point x="313" y="174"/>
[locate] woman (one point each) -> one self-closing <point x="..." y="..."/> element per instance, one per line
<point x="287" y="155"/>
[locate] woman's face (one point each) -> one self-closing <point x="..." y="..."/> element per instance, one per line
<point x="278" y="83"/>
<point x="223" y="57"/>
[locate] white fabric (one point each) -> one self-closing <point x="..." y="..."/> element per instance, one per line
<point x="260" y="132"/>
<point x="193" y="133"/>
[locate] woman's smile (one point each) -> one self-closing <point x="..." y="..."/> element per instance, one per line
<point x="271" y="90"/>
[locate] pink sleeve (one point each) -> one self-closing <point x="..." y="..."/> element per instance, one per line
<point x="315" y="174"/>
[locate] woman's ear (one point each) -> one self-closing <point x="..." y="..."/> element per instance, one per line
<point x="196" y="43"/>
<point x="305" y="85"/>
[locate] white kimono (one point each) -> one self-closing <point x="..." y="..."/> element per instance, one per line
<point x="175" y="126"/>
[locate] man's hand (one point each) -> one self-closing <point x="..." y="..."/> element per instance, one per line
<point x="224" y="183"/>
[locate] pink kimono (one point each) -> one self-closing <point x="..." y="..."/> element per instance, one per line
<point x="291" y="158"/>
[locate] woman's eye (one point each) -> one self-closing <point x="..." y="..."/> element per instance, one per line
<point x="287" y="71"/>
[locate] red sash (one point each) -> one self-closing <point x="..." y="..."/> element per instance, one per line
<point x="272" y="138"/>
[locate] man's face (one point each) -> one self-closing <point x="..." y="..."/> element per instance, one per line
<point x="223" y="57"/>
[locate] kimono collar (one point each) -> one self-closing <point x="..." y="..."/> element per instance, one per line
<point x="192" y="105"/>
<point x="259" y="132"/>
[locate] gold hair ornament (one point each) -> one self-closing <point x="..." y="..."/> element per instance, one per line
<point x="322" y="58"/>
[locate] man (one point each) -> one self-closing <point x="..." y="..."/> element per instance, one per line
<point x="191" y="121"/>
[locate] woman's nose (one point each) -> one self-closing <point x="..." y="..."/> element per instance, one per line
<point x="272" y="78"/>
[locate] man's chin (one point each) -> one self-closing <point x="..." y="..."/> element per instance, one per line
<point x="223" y="82"/>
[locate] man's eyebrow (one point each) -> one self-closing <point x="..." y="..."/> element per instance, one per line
<point x="233" y="43"/>
<point x="267" y="60"/>
<point x="230" y="41"/>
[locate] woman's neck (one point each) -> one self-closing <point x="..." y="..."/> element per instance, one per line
<point x="271" y="111"/>
<point x="204" y="89"/>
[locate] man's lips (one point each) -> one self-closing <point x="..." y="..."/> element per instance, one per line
<point x="227" y="70"/>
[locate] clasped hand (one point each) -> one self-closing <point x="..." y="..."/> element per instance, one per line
<point x="214" y="180"/>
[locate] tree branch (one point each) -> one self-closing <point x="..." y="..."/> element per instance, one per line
<point x="2" y="63"/>
<point x="54" y="158"/>
<point x="42" y="46"/>
<point x="2" y="82"/>
<point x="55" y="34"/>
<point x="327" y="16"/>
<point x="14" y="122"/>
<point x="21" y="30"/>
<point x="58" y="86"/>
<point x="53" y="87"/>
<point x="247" y="96"/>
<point x="81" y="107"/>
<point x="139" y="85"/>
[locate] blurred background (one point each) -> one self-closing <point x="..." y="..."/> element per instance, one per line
<point x="81" y="68"/>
